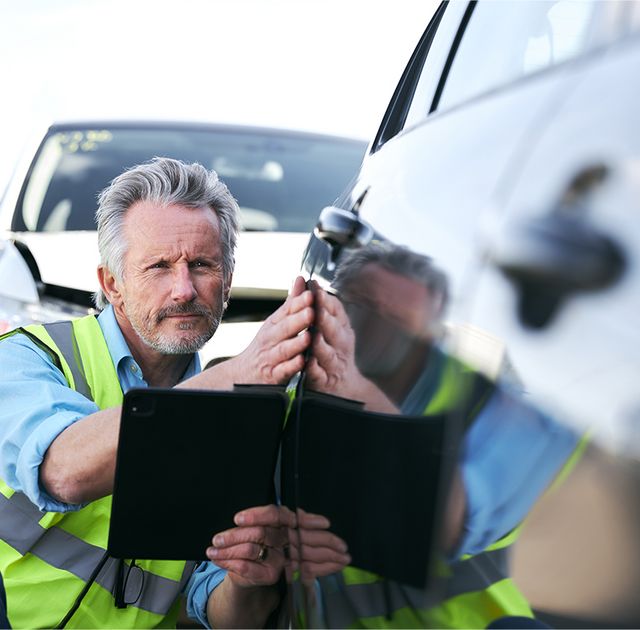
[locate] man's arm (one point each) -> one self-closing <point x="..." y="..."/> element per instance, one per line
<point x="37" y="406"/>
<point x="79" y="465"/>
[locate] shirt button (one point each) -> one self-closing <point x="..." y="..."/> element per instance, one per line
<point x="134" y="369"/>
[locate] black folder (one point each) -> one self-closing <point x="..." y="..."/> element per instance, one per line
<point x="380" y="479"/>
<point x="187" y="461"/>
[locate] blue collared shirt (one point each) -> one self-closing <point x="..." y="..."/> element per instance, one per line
<point x="37" y="405"/>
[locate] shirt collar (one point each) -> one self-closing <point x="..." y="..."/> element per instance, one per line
<point x="119" y="349"/>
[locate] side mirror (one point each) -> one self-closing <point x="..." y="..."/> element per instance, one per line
<point x="342" y="228"/>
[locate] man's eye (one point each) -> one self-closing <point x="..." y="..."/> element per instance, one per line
<point x="159" y="265"/>
<point x="199" y="263"/>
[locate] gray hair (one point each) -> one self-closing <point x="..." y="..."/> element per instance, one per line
<point x="397" y="259"/>
<point x="166" y="182"/>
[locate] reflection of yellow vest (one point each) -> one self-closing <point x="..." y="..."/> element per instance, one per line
<point x="47" y="557"/>
<point x="477" y="589"/>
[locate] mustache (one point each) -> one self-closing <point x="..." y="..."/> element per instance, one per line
<point x="184" y="309"/>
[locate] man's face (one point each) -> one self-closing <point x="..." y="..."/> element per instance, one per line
<point x="390" y="314"/>
<point x="172" y="290"/>
<point x="402" y="301"/>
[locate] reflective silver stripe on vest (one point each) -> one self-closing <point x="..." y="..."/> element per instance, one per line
<point x="20" y="529"/>
<point x="345" y="604"/>
<point x="478" y="572"/>
<point x="63" y="336"/>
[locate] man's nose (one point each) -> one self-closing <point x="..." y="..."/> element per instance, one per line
<point x="183" y="288"/>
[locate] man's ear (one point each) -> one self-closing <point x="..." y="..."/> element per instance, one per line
<point x="109" y="285"/>
<point x="227" y="288"/>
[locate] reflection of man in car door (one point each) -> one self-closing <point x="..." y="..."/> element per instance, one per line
<point x="380" y="344"/>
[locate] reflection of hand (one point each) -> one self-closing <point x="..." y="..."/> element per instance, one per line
<point x="313" y="550"/>
<point x="277" y="351"/>
<point x="332" y="367"/>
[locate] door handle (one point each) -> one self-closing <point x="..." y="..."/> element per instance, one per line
<point x="550" y="258"/>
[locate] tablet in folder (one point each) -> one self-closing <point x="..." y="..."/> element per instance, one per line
<point x="187" y="461"/>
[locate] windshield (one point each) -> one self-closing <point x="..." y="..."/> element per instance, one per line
<point x="280" y="180"/>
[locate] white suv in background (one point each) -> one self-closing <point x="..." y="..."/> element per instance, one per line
<point x="280" y="179"/>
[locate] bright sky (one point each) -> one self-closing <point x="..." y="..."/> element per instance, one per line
<point x="326" y="65"/>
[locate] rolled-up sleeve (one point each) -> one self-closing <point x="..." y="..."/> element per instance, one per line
<point x="37" y="405"/>
<point x="202" y="583"/>
<point x="511" y="454"/>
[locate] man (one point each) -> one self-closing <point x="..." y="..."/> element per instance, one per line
<point x="381" y="343"/>
<point x="166" y="234"/>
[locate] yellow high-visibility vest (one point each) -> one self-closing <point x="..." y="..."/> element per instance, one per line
<point x="46" y="558"/>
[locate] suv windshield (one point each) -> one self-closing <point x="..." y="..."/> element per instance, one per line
<point x="280" y="179"/>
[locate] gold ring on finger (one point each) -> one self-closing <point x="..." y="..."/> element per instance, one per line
<point x="263" y="553"/>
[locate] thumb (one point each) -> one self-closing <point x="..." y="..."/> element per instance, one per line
<point x="299" y="287"/>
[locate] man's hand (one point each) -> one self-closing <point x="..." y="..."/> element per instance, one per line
<point x="332" y="367"/>
<point x="252" y="552"/>
<point x="266" y="541"/>
<point x="277" y="351"/>
<point x="270" y="537"/>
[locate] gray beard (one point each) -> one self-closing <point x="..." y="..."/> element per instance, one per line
<point x="179" y="346"/>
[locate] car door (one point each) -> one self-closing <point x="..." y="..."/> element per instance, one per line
<point x="447" y="152"/>
<point x="561" y="284"/>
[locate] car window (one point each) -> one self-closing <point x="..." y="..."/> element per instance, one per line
<point x="505" y="41"/>
<point x="434" y="64"/>
<point x="440" y="24"/>
<point x="279" y="180"/>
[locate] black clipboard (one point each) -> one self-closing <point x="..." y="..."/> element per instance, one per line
<point x="187" y="461"/>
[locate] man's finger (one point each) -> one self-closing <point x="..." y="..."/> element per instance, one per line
<point x="321" y="350"/>
<point x="283" y="372"/>
<point x="298" y="287"/>
<point x="293" y="305"/>
<point x="247" y="551"/>
<point x="312" y="521"/>
<point x="273" y="536"/>
<point x="322" y="538"/>
<point x="286" y="325"/>
<point x="267" y="515"/>
<point x="329" y="302"/>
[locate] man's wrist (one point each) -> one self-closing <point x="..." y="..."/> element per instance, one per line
<point x="235" y="605"/>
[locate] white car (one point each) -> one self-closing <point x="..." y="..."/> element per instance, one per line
<point x="20" y="302"/>
<point x="280" y="178"/>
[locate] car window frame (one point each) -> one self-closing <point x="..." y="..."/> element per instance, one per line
<point x="396" y="112"/>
